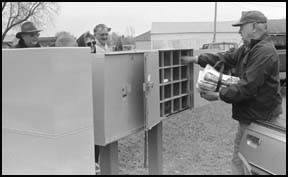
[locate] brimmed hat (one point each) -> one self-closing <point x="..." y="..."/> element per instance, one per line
<point x="27" y="27"/>
<point x="101" y="26"/>
<point x="251" y="16"/>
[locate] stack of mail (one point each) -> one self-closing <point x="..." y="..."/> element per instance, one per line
<point x="208" y="79"/>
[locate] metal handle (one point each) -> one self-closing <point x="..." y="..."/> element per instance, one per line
<point x="253" y="141"/>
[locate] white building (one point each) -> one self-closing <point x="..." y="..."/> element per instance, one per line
<point x="171" y="35"/>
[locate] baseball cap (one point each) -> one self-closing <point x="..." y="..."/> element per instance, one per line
<point x="250" y="17"/>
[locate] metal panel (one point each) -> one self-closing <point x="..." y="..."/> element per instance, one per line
<point x="33" y="154"/>
<point x="198" y="101"/>
<point x="47" y="111"/>
<point x="264" y="148"/>
<point x="118" y="95"/>
<point x="98" y="75"/>
<point x="46" y="90"/>
<point x="151" y="89"/>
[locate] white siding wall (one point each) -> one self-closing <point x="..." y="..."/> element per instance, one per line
<point x="190" y="40"/>
<point x="143" y="45"/>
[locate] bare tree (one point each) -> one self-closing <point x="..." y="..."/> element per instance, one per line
<point x="130" y="32"/>
<point x="64" y="33"/>
<point x="15" y="13"/>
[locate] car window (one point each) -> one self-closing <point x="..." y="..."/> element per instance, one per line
<point x="205" y="46"/>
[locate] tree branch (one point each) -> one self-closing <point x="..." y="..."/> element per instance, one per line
<point x="3" y="6"/>
<point x="22" y="11"/>
<point x="33" y="9"/>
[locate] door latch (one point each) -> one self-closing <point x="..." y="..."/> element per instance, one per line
<point x="147" y="86"/>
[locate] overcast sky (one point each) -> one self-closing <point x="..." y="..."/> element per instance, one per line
<point x="78" y="17"/>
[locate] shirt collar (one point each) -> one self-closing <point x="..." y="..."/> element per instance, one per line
<point x="105" y="47"/>
<point x="255" y="41"/>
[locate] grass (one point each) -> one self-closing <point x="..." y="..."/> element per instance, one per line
<point x="198" y="142"/>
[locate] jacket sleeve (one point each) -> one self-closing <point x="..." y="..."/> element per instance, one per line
<point x="258" y="68"/>
<point x="228" y="58"/>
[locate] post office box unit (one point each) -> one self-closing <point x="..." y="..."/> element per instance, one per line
<point x="134" y="90"/>
<point x="47" y="92"/>
<point x="169" y="84"/>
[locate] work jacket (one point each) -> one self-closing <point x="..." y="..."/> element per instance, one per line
<point x="257" y="95"/>
<point x="21" y="44"/>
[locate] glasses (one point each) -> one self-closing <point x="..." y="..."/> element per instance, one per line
<point x="90" y="43"/>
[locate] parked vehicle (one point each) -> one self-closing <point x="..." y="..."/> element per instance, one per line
<point x="279" y="41"/>
<point x="225" y="46"/>
<point x="263" y="148"/>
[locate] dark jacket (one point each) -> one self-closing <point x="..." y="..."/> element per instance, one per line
<point x="257" y="95"/>
<point x="21" y="44"/>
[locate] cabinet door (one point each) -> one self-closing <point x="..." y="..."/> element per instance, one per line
<point x="151" y="90"/>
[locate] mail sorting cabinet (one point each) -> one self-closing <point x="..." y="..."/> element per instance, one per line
<point x="175" y="82"/>
<point x="137" y="89"/>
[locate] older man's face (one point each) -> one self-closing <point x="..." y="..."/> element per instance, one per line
<point x="246" y="32"/>
<point x="31" y="39"/>
<point x="102" y="35"/>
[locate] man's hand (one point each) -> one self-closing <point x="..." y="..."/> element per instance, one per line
<point x="209" y="95"/>
<point x="186" y="59"/>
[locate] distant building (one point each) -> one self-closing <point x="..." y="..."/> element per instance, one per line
<point x="143" y="41"/>
<point x="194" y="34"/>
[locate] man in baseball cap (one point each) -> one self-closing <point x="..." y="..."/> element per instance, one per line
<point x="253" y="26"/>
<point x="28" y="36"/>
<point x="256" y="96"/>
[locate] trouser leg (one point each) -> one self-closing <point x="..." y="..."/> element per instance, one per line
<point x="97" y="152"/>
<point x="236" y="165"/>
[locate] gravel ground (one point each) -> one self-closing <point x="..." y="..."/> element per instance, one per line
<point x="198" y="142"/>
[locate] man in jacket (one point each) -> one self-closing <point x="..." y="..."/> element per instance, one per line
<point x="28" y="37"/>
<point x="257" y="95"/>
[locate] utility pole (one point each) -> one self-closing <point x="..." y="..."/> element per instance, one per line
<point x="215" y="15"/>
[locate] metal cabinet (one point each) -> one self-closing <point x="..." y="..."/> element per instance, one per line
<point x="47" y="113"/>
<point x="136" y="90"/>
<point x="168" y="85"/>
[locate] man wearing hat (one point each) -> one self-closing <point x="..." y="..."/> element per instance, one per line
<point x="28" y="37"/>
<point x="257" y="95"/>
<point x="101" y="32"/>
